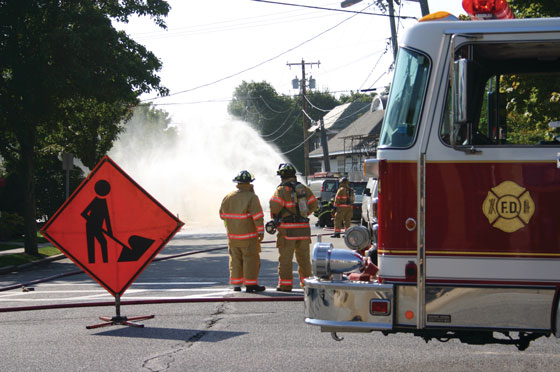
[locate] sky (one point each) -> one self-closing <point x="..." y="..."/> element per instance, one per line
<point x="212" y="46"/>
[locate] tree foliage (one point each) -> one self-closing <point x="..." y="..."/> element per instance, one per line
<point x="532" y="100"/>
<point x="279" y="118"/>
<point x="67" y="79"/>
<point x="148" y="129"/>
<point x="535" y="8"/>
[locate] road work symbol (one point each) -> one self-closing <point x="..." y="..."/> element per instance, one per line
<point x="107" y="209"/>
<point x="96" y="214"/>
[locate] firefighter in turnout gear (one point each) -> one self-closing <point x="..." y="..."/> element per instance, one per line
<point x="343" y="207"/>
<point x="243" y="217"/>
<point x="291" y="205"/>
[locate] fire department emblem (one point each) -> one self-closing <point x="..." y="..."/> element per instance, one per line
<point x="508" y="206"/>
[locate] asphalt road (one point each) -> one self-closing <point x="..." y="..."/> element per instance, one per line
<point x="216" y="336"/>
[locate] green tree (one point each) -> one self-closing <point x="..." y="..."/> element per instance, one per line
<point x="279" y="118"/>
<point x="58" y="58"/>
<point x="357" y="97"/>
<point x="276" y="117"/>
<point x="149" y="128"/>
<point x="535" y="8"/>
<point x="532" y="100"/>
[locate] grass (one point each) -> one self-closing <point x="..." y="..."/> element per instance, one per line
<point x="22" y="258"/>
<point x="40" y="239"/>
<point x="18" y="242"/>
<point x="6" y="246"/>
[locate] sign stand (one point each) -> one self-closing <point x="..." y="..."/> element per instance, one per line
<point x="120" y="320"/>
<point x="109" y="213"/>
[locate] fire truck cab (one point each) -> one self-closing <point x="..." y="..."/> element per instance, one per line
<point x="468" y="169"/>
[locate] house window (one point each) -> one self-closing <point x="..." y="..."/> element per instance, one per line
<point x="340" y="163"/>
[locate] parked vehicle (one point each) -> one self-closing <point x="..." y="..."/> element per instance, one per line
<point x="358" y="188"/>
<point x="324" y="189"/>
<point x="468" y="187"/>
<point x="369" y="207"/>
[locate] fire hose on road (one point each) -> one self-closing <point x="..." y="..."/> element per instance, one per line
<point x="142" y="302"/>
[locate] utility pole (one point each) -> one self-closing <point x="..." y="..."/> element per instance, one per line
<point x="325" y="143"/>
<point x="394" y="41"/>
<point x="423" y="7"/>
<point x="304" y="112"/>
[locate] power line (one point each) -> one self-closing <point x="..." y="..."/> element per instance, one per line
<point x="261" y="63"/>
<point x="315" y="107"/>
<point x="257" y="110"/>
<point x="375" y="66"/>
<point x="283" y="133"/>
<point x="334" y="9"/>
<point x="218" y="27"/>
<point x="271" y="109"/>
<point x="309" y="117"/>
<point x="280" y="126"/>
<point x="298" y="146"/>
<point x="354" y="113"/>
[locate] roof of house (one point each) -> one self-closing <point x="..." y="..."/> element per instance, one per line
<point x="367" y="124"/>
<point x="342" y="116"/>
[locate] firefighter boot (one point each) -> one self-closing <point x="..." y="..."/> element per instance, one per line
<point x="283" y="289"/>
<point x="254" y="288"/>
<point x="335" y="235"/>
<point x="237" y="289"/>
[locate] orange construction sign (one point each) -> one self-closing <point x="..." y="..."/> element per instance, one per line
<point x="111" y="227"/>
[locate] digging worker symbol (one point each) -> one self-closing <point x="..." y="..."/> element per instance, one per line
<point x="96" y="213"/>
<point x="243" y="216"/>
<point x="343" y="207"/>
<point x="291" y="205"/>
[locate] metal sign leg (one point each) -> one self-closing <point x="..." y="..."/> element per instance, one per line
<point x="120" y="320"/>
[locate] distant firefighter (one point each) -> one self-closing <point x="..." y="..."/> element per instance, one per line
<point x="325" y="214"/>
<point x="243" y="216"/>
<point x="291" y="205"/>
<point x="343" y="202"/>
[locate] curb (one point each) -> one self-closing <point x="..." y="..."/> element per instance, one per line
<point x="43" y="261"/>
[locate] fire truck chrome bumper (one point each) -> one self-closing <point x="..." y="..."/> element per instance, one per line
<point x="348" y="306"/>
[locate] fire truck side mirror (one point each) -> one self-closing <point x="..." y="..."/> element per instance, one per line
<point x="371" y="168"/>
<point x="462" y="77"/>
<point x="461" y="82"/>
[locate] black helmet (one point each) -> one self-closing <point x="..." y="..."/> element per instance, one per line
<point x="343" y="179"/>
<point x="244" y="177"/>
<point x="286" y="170"/>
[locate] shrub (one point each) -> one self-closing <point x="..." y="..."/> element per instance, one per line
<point x="11" y="226"/>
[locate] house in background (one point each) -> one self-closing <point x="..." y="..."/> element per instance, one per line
<point x="337" y="119"/>
<point x="351" y="145"/>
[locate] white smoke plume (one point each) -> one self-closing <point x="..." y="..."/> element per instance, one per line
<point x="191" y="176"/>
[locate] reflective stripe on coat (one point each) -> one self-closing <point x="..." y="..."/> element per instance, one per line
<point x="242" y="212"/>
<point x="282" y="204"/>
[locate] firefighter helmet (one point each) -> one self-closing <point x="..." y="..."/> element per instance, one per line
<point x="343" y="179"/>
<point x="244" y="177"/>
<point x="286" y="170"/>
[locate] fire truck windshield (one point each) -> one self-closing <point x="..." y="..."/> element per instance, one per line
<point x="405" y="99"/>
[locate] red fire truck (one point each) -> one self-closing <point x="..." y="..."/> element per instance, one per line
<point x="468" y="165"/>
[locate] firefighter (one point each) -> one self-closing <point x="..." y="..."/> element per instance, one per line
<point x="291" y="205"/>
<point x="343" y="207"/>
<point x="324" y="213"/>
<point x="243" y="217"/>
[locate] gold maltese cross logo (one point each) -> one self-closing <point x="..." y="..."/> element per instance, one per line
<point x="508" y="206"/>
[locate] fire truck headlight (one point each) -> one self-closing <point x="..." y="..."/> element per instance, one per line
<point x="327" y="261"/>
